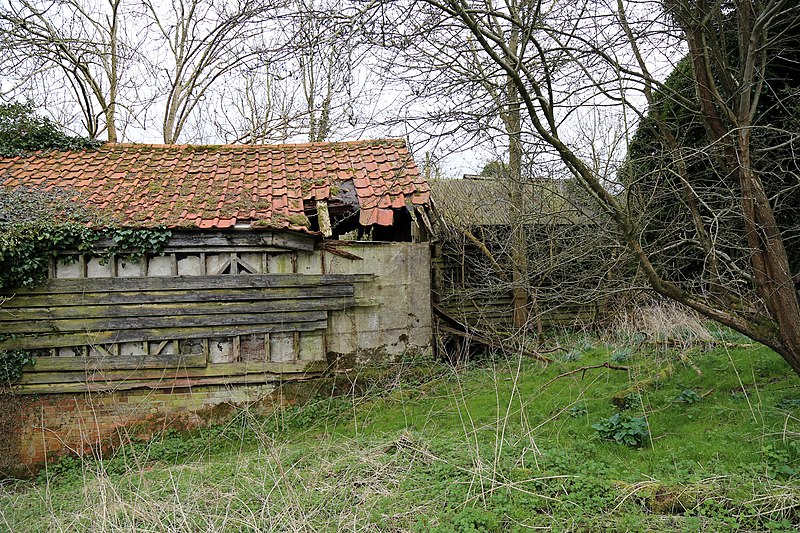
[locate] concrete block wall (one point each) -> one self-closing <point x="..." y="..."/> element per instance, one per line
<point x="392" y="315"/>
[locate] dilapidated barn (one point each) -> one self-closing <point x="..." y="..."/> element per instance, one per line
<point x="257" y="283"/>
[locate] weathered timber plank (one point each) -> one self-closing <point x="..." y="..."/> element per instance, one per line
<point x="237" y="238"/>
<point x="169" y="309"/>
<point x="483" y="319"/>
<point x="251" y="379"/>
<point x="227" y="249"/>
<point x="135" y="335"/>
<point x="295" y="242"/>
<point x="461" y="301"/>
<point x="492" y="312"/>
<point x="85" y="325"/>
<point x="203" y="239"/>
<point x="58" y="365"/>
<point x="149" y="297"/>
<point x="487" y="308"/>
<point x="183" y="283"/>
<point x="104" y="371"/>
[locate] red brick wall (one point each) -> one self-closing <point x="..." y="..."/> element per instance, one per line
<point x="39" y="429"/>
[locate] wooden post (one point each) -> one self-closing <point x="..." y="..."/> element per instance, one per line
<point x="324" y="218"/>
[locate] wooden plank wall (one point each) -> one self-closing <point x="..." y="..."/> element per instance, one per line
<point x="492" y="310"/>
<point x="94" y="317"/>
<point x="235" y="314"/>
<point x="73" y="312"/>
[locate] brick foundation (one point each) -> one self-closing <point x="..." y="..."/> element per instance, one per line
<point x="39" y="429"/>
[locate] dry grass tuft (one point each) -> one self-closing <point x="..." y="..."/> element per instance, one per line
<point x="660" y="322"/>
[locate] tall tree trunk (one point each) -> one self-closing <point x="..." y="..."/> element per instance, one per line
<point x="111" y="108"/>
<point x="519" y="245"/>
<point x="773" y="278"/>
<point x="770" y="262"/>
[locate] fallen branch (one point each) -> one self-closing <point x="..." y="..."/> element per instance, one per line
<point x="583" y="369"/>
<point x="331" y="247"/>
<point x="684" y="342"/>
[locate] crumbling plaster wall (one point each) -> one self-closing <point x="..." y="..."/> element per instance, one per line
<point x="392" y="315"/>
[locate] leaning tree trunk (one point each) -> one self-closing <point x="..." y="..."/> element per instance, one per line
<point x="771" y="272"/>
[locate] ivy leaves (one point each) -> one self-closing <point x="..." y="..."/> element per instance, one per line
<point x="132" y="244"/>
<point x="36" y="225"/>
<point x="23" y="131"/>
<point x="11" y="363"/>
<point x="26" y="249"/>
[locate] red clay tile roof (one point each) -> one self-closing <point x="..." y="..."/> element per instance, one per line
<point x="182" y="186"/>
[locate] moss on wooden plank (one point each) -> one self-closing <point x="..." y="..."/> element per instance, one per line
<point x="246" y="379"/>
<point x="49" y="365"/>
<point x="136" y="335"/>
<point x="177" y="296"/>
<point x="183" y="283"/>
<point x="211" y="321"/>
<point x="168" y="309"/>
<point x="107" y="370"/>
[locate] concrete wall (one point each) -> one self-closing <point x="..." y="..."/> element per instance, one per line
<point x="392" y="314"/>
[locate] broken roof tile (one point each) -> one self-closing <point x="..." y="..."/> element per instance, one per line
<point x="367" y="216"/>
<point x="421" y="198"/>
<point x="385" y="217"/>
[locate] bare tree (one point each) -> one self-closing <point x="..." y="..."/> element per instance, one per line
<point x="325" y="42"/>
<point x="246" y="70"/>
<point x="453" y="86"/>
<point x="81" y="41"/>
<point x="258" y="110"/>
<point x="310" y="90"/>
<point x="204" y="41"/>
<point x="596" y="53"/>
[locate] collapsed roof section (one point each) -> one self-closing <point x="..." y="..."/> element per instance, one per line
<point x="478" y="201"/>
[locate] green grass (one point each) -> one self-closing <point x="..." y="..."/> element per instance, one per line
<point x="506" y="445"/>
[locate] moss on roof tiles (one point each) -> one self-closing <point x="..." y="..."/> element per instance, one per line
<point x="146" y="182"/>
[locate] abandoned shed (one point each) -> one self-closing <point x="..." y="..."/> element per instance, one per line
<point x="252" y="287"/>
<point x="512" y="254"/>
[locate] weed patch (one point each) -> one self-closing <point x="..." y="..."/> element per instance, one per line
<point x="504" y="445"/>
<point x="624" y="429"/>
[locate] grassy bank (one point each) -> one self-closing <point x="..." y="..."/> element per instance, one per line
<point x="697" y="437"/>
